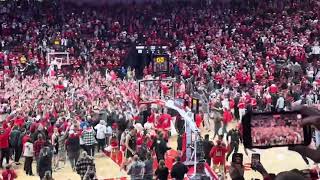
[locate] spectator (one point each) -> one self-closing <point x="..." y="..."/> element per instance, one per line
<point x="45" y="160"/>
<point x="62" y="149"/>
<point x="236" y="171"/>
<point x="179" y="170"/>
<point x="88" y="136"/>
<point x="207" y="146"/>
<point x="4" y="145"/>
<point x="90" y="174"/>
<point x="84" y="163"/>
<point x="37" y="146"/>
<point x="136" y="170"/>
<point x="101" y="129"/>
<point x="73" y="148"/>
<point x="9" y="173"/>
<point x="162" y="171"/>
<point x="148" y="167"/>
<point x="47" y="176"/>
<point x="218" y="154"/>
<point x="235" y="139"/>
<point x="130" y="143"/>
<point x="280" y="103"/>
<point x="160" y="147"/>
<point x="14" y="142"/>
<point x="55" y="144"/>
<point x="28" y="154"/>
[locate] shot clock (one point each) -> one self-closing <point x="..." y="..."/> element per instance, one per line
<point x="160" y="63"/>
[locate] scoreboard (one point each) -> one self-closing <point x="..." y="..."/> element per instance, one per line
<point x="159" y="58"/>
<point x="160" y="63"/>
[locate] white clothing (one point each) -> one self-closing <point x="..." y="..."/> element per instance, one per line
<point x="109" y="130"/>
<point x="225" y="104"/>
<point x="280" y="102"/>
<point x="101" y="131"/>
<point x="316" y="50"/>
<point x="28" y="150"/>
<point x="317" y="134"/>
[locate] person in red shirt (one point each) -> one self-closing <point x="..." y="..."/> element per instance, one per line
<point x="115" y="149"/>
<point x="37" y="146"/>
<point x="273" y="89"/>
<point x="4" y="144"/>
<point x="253" y="102"/>
<point x="164" y="124"/>
<point x="19" y="121"/>
<point x="199" y="120"/>
<point x="9" y="174"/>
<point x="218" y="154"/>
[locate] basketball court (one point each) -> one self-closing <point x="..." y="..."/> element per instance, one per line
<point x="106" y="169"/>
<point x="275" y="160"/>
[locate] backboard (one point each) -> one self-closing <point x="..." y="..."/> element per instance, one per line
<point x="151" y="90"/>
<point x="58" y="58"/>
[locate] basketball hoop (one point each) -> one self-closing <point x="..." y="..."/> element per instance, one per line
<point x="61" y="58"/>
<point x="156" y="90"/>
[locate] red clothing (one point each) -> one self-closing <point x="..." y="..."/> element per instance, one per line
<point x="164" y="121"/>
<point x="231" y="103"/>
<point x="19" y="122"/>
<point x="25" y="138"/>
<point x="4" y="138"/>
<point x="50" y="130"/>
<point x="227" y="117"/>
<point x="114" y="143"/>
<point x="151" y="118"/>
<point x="253" y="102"/>
<point x="198" y="120"/>
<point x="38" y="144"/>
<point x="9" y="174"/>
<point x="218" y="154"/>
<point x="241" y="105"/>
<point x="273" y="89"/>
<point x="59" y="87"/>
<point x="34" y="127"/>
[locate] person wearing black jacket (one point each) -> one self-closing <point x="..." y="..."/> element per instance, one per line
<point x="178" y="170"/>
<point x="162" y="171"/>
<point x="45" y="160"/>
<point x="160" y="147"/>
<point x="73" y="149"/>
<point x="235" y="137"/>
<point x="14" y="143"/>
<point x="207" y="146"/>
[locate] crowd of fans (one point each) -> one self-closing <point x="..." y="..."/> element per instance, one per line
<point x="254" y="55"/>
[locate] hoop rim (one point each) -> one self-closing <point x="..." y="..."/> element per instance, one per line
<point x="156" y="101"/>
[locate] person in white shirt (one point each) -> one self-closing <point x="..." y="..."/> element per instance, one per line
<point x="101" y="134"/>
<point x="280" y="104"/>
<point x="28" y="153"/>
<point x="225" y="103"/>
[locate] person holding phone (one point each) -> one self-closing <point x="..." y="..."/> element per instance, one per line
<point x="312" y="118"/>
<point x="236" y="171"/>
